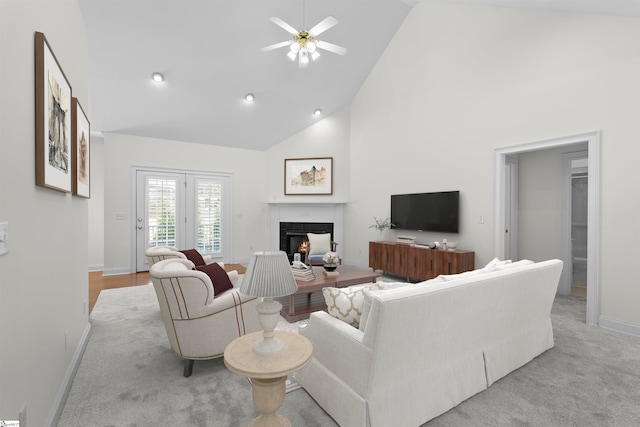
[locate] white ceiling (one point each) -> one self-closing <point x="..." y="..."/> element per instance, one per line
<point x="209" y="52"/>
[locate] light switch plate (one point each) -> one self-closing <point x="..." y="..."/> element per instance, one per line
<point x="4" y="238"/>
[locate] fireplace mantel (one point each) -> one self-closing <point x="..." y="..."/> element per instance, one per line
<point x="306" y="212"/>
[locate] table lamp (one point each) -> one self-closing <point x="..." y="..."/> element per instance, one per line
<point x="268" y="276"/>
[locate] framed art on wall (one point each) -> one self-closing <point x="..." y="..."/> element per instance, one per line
<point x="313" y="176"/>
<point x="54" y="156"/>
<point x="80" y="129"/>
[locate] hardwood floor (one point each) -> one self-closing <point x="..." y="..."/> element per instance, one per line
<point x="579" y="291"/>
<point x="98" y="282"/>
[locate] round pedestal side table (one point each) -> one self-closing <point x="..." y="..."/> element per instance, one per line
<point x="268" y="374"/>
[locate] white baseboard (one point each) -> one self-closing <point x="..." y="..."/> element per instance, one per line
<point x="65" y="387"/>
<point x="115" y="271"/>
<point x="619" y="326"/>
<point x="96" y="267"/>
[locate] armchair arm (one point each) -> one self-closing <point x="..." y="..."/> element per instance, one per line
<point x="235" y="278"/>
<point x="208" y="259"/>
<point x="224" y="301"/>
<point x="339" y="347"/>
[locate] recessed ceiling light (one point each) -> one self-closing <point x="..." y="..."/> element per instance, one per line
<point x="157" y="77"/>
<point x="317" y="112"/>
<point x="249" y="97"/>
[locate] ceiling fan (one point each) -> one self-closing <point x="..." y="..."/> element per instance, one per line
<point x="304" y="44"/>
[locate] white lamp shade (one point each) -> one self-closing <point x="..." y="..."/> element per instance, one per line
<point x="269" y="275"/>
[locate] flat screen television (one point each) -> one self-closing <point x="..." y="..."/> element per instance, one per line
<point x="426" y="211"/>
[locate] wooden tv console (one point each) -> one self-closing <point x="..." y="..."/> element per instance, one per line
<point x="418" y="262"/>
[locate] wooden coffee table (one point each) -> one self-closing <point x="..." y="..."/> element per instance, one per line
<point x="307" y="299"/>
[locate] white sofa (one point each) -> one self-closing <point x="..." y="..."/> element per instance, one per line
<point x="422" y="349"/>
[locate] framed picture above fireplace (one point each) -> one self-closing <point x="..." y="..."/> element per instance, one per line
<point x="312" y="176"/>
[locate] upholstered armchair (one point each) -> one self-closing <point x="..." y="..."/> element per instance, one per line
<point x="201" y="316"/>
<point x="317" y="246"/>
<point x="160" y="253"/>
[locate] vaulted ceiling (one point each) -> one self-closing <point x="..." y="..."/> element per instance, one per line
<point x="209" y="53"/>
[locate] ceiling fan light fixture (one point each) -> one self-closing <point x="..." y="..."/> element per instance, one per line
<point x="157" y="77"/>
<point x="305" y="43"/>
<point x="304" y="59"/>
<point x="311" y="46"/>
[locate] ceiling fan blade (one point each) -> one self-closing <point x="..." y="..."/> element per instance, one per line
<point x="279" y="22"/>
<point x="332" y="47"/>
<point x="275" y="46"/>
<point x="323" y="25"/>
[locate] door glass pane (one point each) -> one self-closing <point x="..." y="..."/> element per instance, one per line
<point x="161" y="214"/>
<point x="209" y="217"/>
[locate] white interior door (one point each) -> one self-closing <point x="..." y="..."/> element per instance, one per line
<point x="185" y="210"/>
<point x="511" y="208"/>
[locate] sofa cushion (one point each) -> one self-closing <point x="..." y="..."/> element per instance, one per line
<point x="319" y="244"/>
<point x="479" y="272"/>
<point x="496" y="262"/>
<point x="346" y="303"/>
<point x="219" y="277"/>
<point x="194" y="256"/>
<point x="389" y="286"/>
<point x="514" y="264"/>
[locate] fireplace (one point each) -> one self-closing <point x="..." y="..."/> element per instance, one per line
<point x="293" y="235"/>
<point x="303" y="218"/>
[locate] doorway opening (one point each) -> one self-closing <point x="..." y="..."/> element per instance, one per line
<point x="575" y="224"/>
<point x="593" y="197"/>
<point x="183" y="209"/>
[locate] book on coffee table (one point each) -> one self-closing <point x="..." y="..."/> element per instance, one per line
<point x="331" y="273"/>
<point x="303" y="274"/>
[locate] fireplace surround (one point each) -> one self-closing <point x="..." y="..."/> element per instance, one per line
<point x="293" y="235"/>
<point x="303" y="218"/>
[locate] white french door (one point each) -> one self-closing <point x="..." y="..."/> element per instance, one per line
<point x="185" y="210"/>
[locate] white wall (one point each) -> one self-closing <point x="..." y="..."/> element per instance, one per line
<point x="458" y="81"/>
<point x="327" y="138"/>
<point x="122" y="152"/>
<point x="43" y="279"/>
<point x="96" y="205"/>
